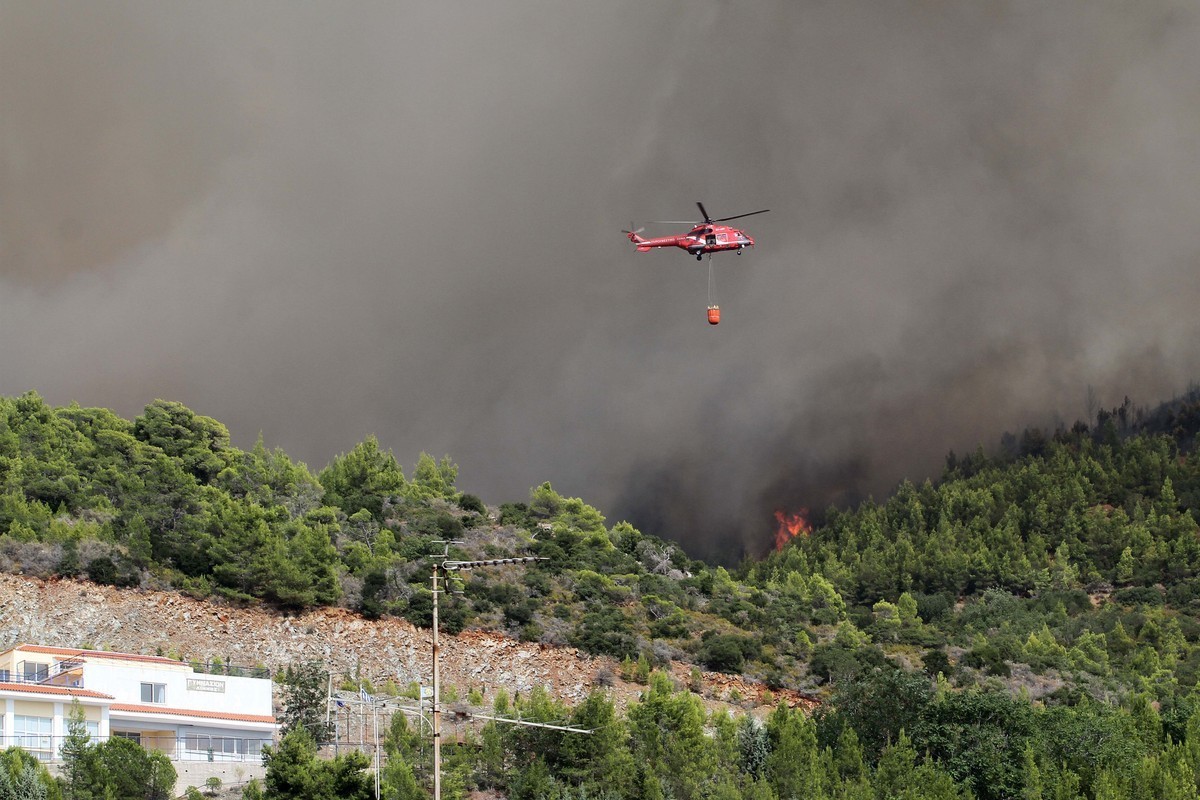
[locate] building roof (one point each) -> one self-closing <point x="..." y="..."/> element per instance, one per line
<point x="71" y="651"/>
<point x="69" y="691"/>
<point x="187" y="712"/>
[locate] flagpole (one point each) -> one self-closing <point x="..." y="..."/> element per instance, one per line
<point x="328" y="697"/>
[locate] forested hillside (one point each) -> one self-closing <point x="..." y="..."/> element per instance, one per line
<point x="1027" y="621"/>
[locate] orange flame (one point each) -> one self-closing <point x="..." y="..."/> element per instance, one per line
<point x="791" y="526"/>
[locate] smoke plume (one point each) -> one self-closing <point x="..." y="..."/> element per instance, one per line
<point x="322" y="221"/>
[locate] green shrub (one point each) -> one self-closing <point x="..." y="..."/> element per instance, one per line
<point x="725" y="652"/>
<point x="469" y="502"/>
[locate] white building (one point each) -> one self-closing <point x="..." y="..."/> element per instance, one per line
<point x="159" y="702"/>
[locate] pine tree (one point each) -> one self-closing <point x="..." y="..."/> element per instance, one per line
<point x="792" y="767"/>
<point x="753" y="746"/>
<point x="305" y="689"/>
<point x="1031" y="782"/>
<point x="75" y="751"/>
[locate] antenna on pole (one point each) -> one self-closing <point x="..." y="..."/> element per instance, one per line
<point x="443" y="567"/>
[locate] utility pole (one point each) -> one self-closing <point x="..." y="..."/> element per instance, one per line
<point x="437" y="711"/>
<point x="446" y="566"/>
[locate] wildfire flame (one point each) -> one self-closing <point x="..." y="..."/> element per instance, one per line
<point x="790" y="526"/>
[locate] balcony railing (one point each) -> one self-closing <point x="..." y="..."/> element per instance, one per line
<point x="232" y="670"/>
<point x="183" y="748"/>
<point x="44" y="674"/>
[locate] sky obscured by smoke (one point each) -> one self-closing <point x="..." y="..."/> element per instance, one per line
<point x="322" y="221"/>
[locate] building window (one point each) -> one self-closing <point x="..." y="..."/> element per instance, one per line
<point x="32" y="671"/>
<point x="228" y="747"/>
<point x="154" y="693"/>
<point x="133" y="736"/>
<point x="33" y="735"/>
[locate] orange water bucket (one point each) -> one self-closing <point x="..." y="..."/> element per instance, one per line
<point x="714" y="315"/>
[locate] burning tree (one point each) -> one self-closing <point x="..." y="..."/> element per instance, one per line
<point x="791" y="525"/>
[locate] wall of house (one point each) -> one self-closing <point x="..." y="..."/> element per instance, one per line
<point x="184" y="688"/>
<point x="197" y="773"/>
<point x="35" y="708"/>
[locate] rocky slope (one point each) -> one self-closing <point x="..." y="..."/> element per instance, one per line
<point x="67" y="613"/>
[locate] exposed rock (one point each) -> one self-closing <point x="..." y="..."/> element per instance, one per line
<point x="68" y="613"/>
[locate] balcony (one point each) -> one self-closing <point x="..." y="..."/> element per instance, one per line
<point x="194" y="747"/>
<point x="68" y="672"/>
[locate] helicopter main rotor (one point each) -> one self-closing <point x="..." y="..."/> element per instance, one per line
<point x="707" y="219"/>
<point x="710" y="220"/>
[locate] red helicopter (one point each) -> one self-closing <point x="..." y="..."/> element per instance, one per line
<point x="704" y="237"/>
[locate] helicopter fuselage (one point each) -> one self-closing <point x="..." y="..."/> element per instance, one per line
<point x="698" y="241"/>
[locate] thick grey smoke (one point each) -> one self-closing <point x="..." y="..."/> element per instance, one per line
<point x="321" y="221"/>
